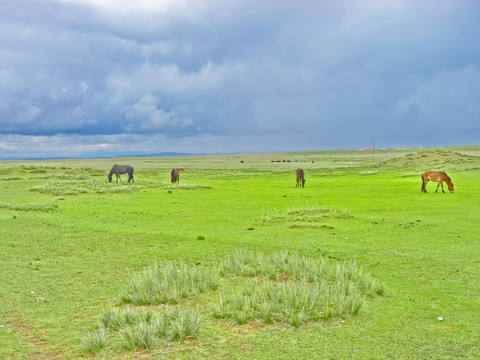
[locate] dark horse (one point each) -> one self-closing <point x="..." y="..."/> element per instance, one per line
<point x="121" y="169"/>
<point x="176" y="175"/>
<point x="300" y="176"/>
<point x="437" y="176"/>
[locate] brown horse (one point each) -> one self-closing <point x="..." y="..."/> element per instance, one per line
<point x="176" y="175"/>
<point x="300" y="176"/>
<point x="121" y="169"/>
<point x="437" y="176"/>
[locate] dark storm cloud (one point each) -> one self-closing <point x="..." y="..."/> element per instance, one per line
<point x="244" y="75"/>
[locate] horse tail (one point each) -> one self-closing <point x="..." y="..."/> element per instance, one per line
<point x="423" y="183"/>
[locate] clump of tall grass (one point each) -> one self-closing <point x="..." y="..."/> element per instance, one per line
<point x="75" y="187"/>
<point x="168" y="282"/>
<point x="143" y="335"/>
<point x="102" y="187"/>
<point x="309" y="213"/>
<point x="136" y="329"/>
<point x="185" y="323"/>
<point x="187" y="186"/>
<point x="71" y="176"/>
<point x="117" y="318"/>
<point x="286" y="287"/>
<point x="31" y="207"/>
<point x="95" y="341"/>
<point x="13" y="178"/>
<point x="35" y="169"/>
<point x="307" y="210"/>
<point x="60" y="188"/>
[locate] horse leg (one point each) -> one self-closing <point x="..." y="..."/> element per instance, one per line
<point x="441" y="183"/>
<point x="424" y="184"/>
<point x="437" y="187"/>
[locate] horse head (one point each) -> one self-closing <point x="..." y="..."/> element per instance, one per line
<point x="450" y="187"/>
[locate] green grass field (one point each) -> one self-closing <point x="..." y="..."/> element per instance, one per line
<point x="357" y="265"/>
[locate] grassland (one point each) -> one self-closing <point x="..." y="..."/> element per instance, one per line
<point x="75" y="250"/>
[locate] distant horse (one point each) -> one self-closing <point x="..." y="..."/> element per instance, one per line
<point x="176" y="175"/>
<point x="437" y="176"/>
<point x="121" y="169"/>
<point x="300" y="176"/>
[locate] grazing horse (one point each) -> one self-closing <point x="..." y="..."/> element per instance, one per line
<point x="300" y="176"/>
<point x="176" y="175"/>
<point x="121" y="169"/>
<point x="437" y="176"/>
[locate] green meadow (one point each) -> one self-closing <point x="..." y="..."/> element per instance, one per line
<point x="235" y="262"/>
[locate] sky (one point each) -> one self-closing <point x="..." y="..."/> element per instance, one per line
<point x="101" y="78"/>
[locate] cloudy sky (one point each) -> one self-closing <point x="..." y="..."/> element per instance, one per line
<point x="113" y="77"/>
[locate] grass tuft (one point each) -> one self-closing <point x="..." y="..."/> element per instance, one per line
<point x="132" y="329"/>
<point x="141" y="336"/>
<point x="168" y="282"/>
<point x="289" y="288"/>
<point x="30" y="207"/>
<point x="283" y="287"/>
<point x="186" y="187"/>
<point x="94" y="341"/>
<point x="308" y="214"/>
